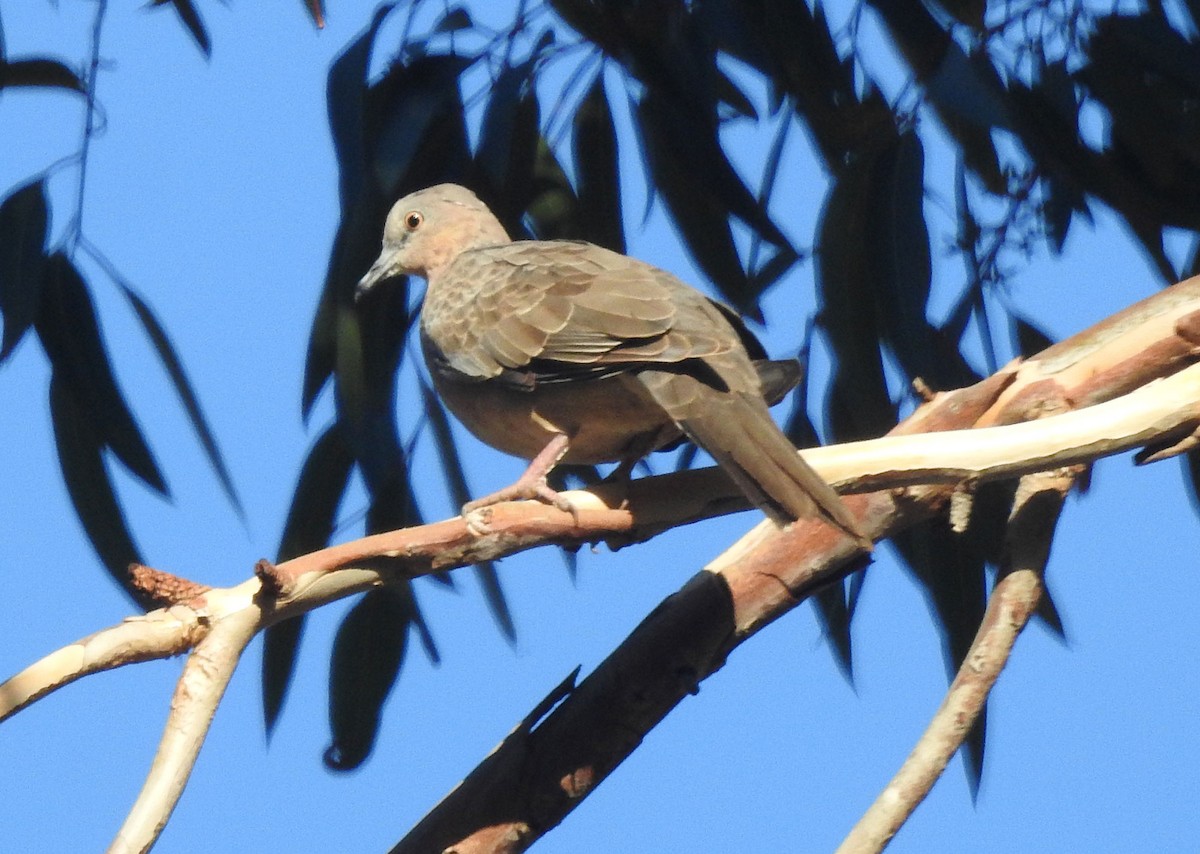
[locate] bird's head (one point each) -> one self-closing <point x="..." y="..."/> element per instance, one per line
<point x="426" y="230"/>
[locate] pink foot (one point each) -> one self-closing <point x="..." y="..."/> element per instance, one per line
<point x="529" y="486"/>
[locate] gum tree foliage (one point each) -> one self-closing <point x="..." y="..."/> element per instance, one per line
<point x="1006" y="85"/>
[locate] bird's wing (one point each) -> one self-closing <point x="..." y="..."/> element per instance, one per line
<point x="568" y="310"/>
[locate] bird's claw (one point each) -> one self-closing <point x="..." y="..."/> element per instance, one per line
<point x="477" y="514"/>
<point x="477" y="519"/>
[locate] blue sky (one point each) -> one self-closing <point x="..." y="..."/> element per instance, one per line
<point x="213" y="190"/>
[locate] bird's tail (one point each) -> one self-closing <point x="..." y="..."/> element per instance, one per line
<point x="737" y="430"/>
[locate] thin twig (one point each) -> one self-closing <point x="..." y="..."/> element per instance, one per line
<point x="75" y="229"/>
<point x="1035" y="512"/>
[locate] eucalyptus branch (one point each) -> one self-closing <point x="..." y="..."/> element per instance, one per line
<point x="1035" y="512"/>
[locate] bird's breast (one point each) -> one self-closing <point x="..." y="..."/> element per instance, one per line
<point x="607" y="420"/>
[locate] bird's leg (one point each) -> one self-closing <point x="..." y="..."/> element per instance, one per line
<point x="530" y="485"/>
<point x="636" y="451"/>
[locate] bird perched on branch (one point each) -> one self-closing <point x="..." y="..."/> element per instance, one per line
<point x="565" y="351"/>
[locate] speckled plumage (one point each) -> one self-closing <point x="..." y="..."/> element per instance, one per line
<point x="528" y="340"/>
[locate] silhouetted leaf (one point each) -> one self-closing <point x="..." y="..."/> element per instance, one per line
<point x="969" y="12"/>
<point x="367" y="654"/>
<point x="1147" y="76"/>
<point x="321" y="355"/>
<point x="553" y="213"/>
<point x="859" y="405"/>
<point x="793" y="47"/>
<point x="952" y="568"/>
<point x="80" y="455"/>
<point x="699" y="216"/>
<point x="369" y="354"/>
<point x="311" y="521"/>
<point x="965" y="91"/>
<point x="316" y="10"/>
<point x="40" y="72"/>
<point x="186" y="10"/>
<point x="413" y="104"/>
<point x="360" y="227"/>
<point x="67" y="326"/>
<point x="456" y="480"/>
<point x="899" y="244"/>
<point x="1030" y="340"/>
<point x="191" y="404"/>
<point x="347" y="93"/>
<point x="281" y="646"/>
<point x="951" y="571"/>
<point x="759" y="271"/>
<point x="835" y="619"/>
<point x="23" y="222"/>
<point x="729" y="94"/>
<point x="1047" y="612"/>
<point x="597" y="165"/>
<point x="508" y="144"/>
<point x="969" y="89"/>
<point x="454" y="20"/>
<point x="590" y="20"/>
<point x="692" y="138"/>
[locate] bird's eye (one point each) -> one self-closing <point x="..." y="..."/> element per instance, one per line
<point x="413" y="220"/>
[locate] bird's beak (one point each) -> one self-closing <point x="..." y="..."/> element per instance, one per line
<point x="383" y="268"/>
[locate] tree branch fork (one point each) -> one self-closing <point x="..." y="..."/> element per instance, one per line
<point x="1128" y="382"/>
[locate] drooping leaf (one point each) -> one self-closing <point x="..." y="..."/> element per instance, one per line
<point x="346" y="88"/>
<point x="456" y="480"/>
<point x="590" y="20"/>
<point x="367" y="653"/>
<point x="40" y="72"/>
<point x="67" y="326"/>
<point x="951" y="567"/>
<point x="186" y="10"/>
<point x="701" y="219"/>
<point x="456" y="18"/>
<point x="966" y="92"/>
<point x="191" y="404"/>
<point x="553" y="213"/>
<point x="594" y="142"/>
<point x="729" y="94"/>
<point x="1029" y="339"/>
<point x="899" y="246"/>
<point x="792" y="46"/>
<point x="765" y="190"/>
<point x="81" y="457"/>
<point x="969" y="12"/>
<point x="311" y="521"/>
<point x="24" y="218"/>
<point x="834" y="609"/>
<point x="834" y="614"/>
<point x="692" y="137"/>
<point x="281" y="646"/>
<point x="321" y="355"/>
<point x="508" y="144"/>
<point x="1147" y="76"/>
<point x="404" y="132"/>
<point x="316" y="11"/>
<point x="858" y="404"/>
<point x="416" y="103"/>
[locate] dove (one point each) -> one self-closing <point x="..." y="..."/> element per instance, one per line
<point x="564" y="351"/>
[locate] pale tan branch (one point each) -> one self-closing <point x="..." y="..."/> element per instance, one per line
<point x="1036" y="509"/>
<point x="197" y="695"/>
<point x="159" y="634"/>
